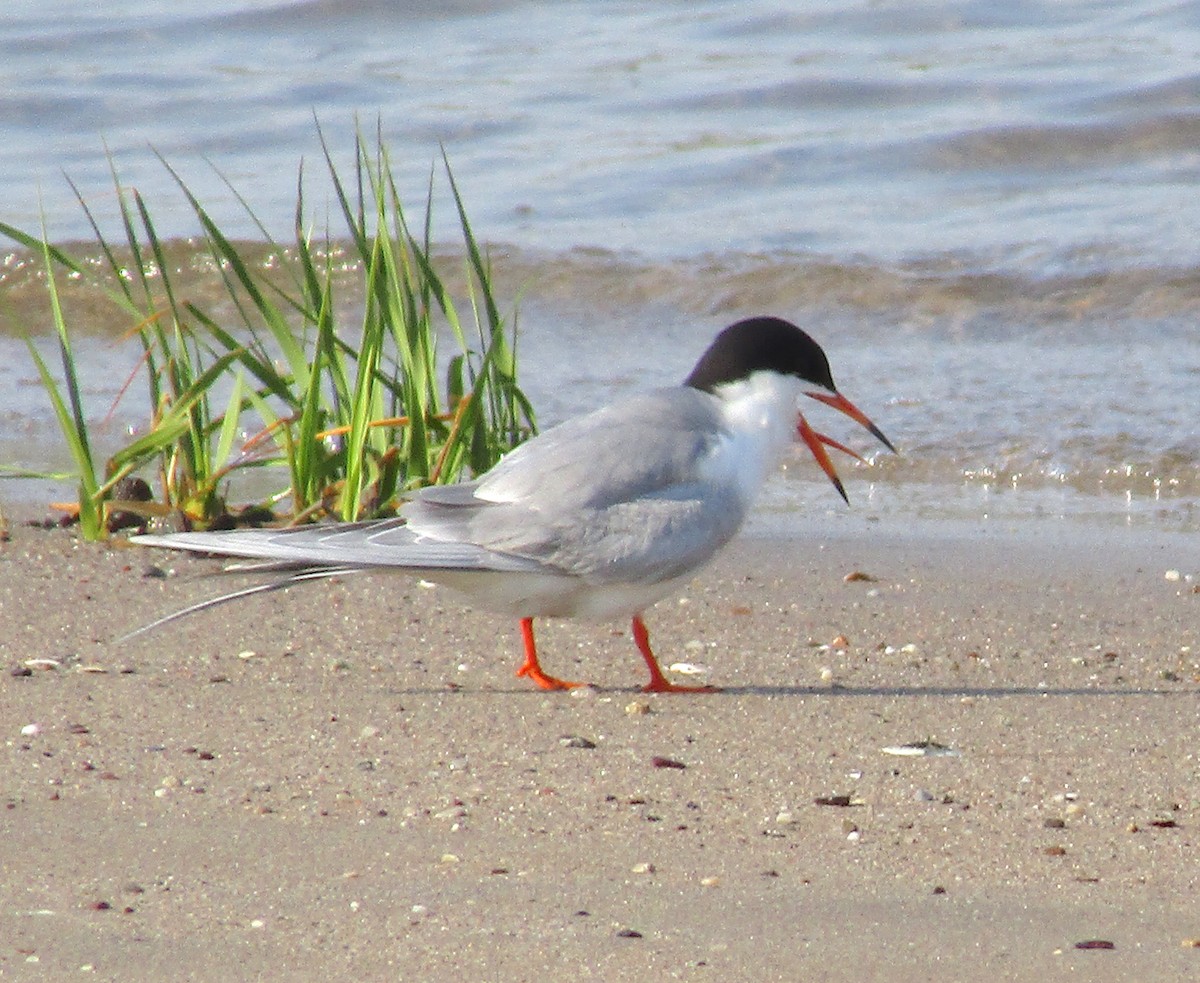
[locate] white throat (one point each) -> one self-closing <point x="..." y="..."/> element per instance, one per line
<point x="760" y="412"/>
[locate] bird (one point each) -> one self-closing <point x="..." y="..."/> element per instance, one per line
<point x="597" y="518"/>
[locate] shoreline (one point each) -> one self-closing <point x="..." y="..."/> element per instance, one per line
<point x="372" y="793"/>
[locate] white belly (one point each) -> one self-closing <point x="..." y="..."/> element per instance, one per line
<point x="540" y="595"/>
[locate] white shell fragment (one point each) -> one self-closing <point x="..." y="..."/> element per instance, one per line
<point x="921" y="749"/>
<point x="689" y="668"/>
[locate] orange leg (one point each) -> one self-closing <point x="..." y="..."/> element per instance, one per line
<point x="658" y="682"/>
<point x="531" y="668"/>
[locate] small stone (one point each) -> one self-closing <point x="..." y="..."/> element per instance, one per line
<point x="1055" y="851"/>
<point x="31" y="730"/>
<point x="247" y="654"/>
<point x="1190" y="943"/>
<point x="1095" y="944"/>
<point x="1172" y="576"/>
<point x="826" y="674"/>
<point x="19" y="671"/>
<point x="1054" y="824"/>
<point x="660" y="762"/>
<point x="710" y="882"/>
<point x="574" y="740"/>
<point x="628" y="933"/>
<point x="637" y="708"/>
<point x="449" y="858"/>
<point x="642" y="869"/>
<point x="858" y="577"/>
<point x="785" y="818"/>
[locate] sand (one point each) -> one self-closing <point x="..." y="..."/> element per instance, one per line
<point x="346" y="782"/>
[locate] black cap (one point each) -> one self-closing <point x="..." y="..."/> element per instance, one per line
<point x="761" y="344"/>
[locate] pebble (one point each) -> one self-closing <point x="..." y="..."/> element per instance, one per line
<point x="638" y="708"/>
<point x="31" y="730"/>
<point x="574" y="740"/>
<point x="710" y="882"/>
<point x="1173" y="576"/>
<point x="1095" y="944"/>
<point x="660" y="762"/>
<point x="642" y="869"/>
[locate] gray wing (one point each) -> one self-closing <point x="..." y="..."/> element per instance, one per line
<point x="614" y="495"/>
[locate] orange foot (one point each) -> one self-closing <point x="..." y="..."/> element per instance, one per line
<point x="532" y="669"/>
<point x="658" y="682"/>
<point x="535" y="673"/>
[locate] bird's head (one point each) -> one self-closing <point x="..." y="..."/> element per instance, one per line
<point x="771" y="344"/>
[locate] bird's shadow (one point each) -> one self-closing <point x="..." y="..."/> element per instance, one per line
<point x="842" y="692"/>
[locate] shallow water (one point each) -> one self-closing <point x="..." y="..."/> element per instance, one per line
<point x="986" y="213"/>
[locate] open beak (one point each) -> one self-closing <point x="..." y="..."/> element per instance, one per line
<point x="843" y="405"/>
<point x="817" y="442"/>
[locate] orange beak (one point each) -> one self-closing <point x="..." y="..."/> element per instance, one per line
<point x="843" y="405"/>
<point x="817" y="442"/>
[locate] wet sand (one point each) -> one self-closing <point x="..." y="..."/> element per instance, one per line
<point x="347" y="782"/>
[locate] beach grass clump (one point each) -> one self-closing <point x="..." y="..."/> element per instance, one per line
<point x="352" y="414"/>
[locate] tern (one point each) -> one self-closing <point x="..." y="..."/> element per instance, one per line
<point x="599" y="517"/>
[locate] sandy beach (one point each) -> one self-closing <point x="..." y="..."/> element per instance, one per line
<point x="346" y="782"/>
